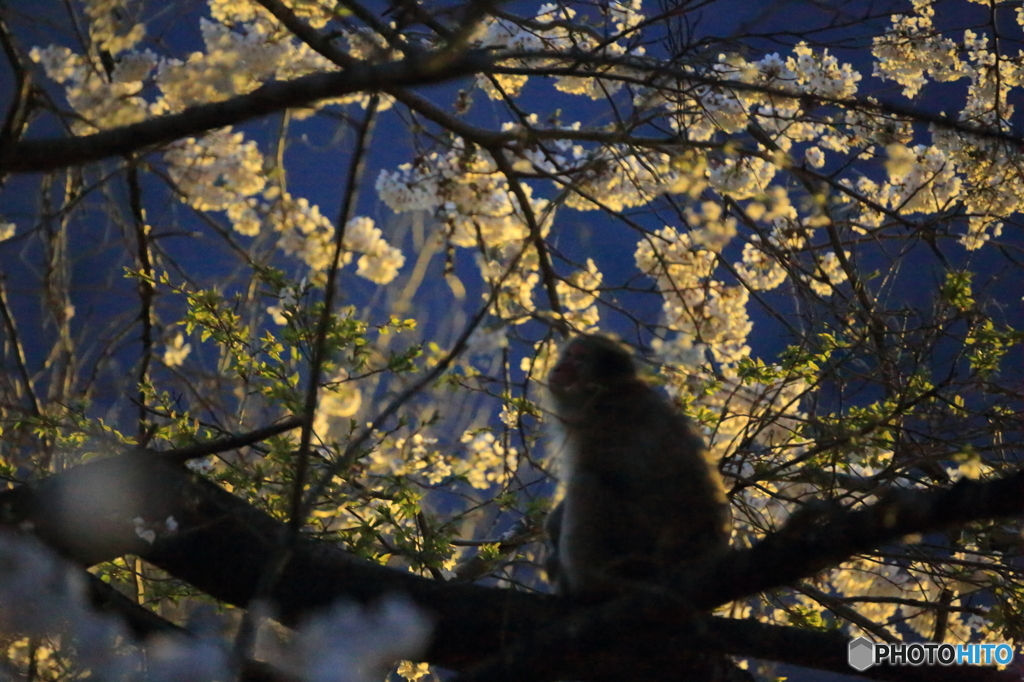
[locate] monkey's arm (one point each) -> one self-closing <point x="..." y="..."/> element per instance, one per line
<point x="553" y="526"/>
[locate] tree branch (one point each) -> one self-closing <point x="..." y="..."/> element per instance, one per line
<point x="38" y="155"/>
<point x="222" y="546"/>
<point x="819" y="539"/>
<point x="233" y="442"/>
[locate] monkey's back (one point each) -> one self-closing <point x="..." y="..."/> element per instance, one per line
<point x="641" y="497"/>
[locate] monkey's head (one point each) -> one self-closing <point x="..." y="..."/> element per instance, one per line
<point x="588" y="366"/>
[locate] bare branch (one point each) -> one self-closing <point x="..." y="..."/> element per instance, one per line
<point x="38" y="155"/>
<point x="819" y="538"/>
<point x="182" y="455"/>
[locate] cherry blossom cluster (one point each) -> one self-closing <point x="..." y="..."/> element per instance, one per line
<point x="222" y="171"/>
<point x="555" y="28"/>
<point x="477" y="208"/>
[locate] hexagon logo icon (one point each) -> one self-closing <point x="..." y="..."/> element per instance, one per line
<point x="861" y="654"/>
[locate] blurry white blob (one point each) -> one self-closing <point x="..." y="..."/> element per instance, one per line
<point x="40" y="594"/>
<point x="350" y="643"/>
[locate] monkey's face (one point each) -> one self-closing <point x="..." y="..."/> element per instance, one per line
<point x="589" y="364"/>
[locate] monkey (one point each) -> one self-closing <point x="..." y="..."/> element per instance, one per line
<point x="642" y="501"/>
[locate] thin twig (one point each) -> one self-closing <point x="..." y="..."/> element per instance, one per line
<point x="233" y="442"/>
<point x="355" y="173"/>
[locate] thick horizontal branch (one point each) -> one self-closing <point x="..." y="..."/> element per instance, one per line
<point x="41" y="155"/>
<point x="824" y="650"/>
<point x="222" y="545"/>
<point x="816" y="540"/>
<point x="416" y="70"/>
<point x="647" y="628"/>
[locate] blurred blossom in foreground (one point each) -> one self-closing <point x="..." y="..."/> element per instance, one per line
<point x="43" y="596"/>
<point x="349" y="643"/>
